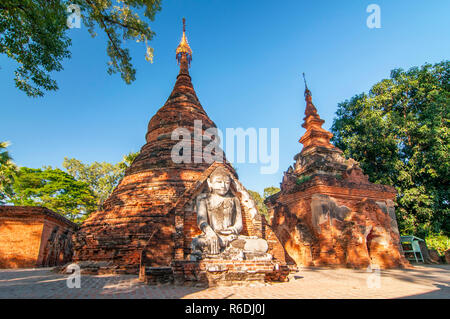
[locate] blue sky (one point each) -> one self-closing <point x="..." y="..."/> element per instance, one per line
<point x="248" y="56"/>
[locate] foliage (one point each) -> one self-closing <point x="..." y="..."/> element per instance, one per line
<point x="74" y="194"/>
<point x="7" y="170"/>
<point x="259" y="200"/>
<point x="269" y="191"/>
<point x="439" y="242"/>
<point x="34" y="34"/>
<point x="127" y="160"/>
<point x="399" y="132"/>
<point x="302" y="179"/>
<point x="102" y="178"/>
<point x="54" y="189"/>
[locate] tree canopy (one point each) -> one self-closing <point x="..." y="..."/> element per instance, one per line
<point x="74" y="194"/>
<point x="102" y="177"/>
<point x="34" y="33"/>
<point x="54" y="189"/>
<point x="400" y="134"/>
<point x="271" y="190"/>
<point x="259" y="200"/>
<point x="7" y="171"/>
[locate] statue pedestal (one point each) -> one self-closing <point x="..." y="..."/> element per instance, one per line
<point x="233" y="266"/>
<point x="220" y="272"/>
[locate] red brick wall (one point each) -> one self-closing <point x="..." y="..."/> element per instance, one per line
<point x="276" y="249"/>
<point x="24" y="234"/>
<point x="341" y="243"/>
<point x="20" y="241"/>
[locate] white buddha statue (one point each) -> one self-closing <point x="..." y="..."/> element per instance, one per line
<point x="219" y="217"/>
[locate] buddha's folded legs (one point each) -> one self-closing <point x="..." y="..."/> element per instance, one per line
<point x="201" y="244"/>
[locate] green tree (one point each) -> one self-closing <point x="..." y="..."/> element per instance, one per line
<point x="399" y="132"/>
<point x="54" y="189"/>
<point x="259" y="200"/>
<point x="269" y="191"/>
<point x="7" y="171"/>
<point x="127" y="160"/>
<point x="34" y="33"/>
<point x="102" y="177"/>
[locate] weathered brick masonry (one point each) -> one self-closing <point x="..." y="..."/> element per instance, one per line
<point x="34" y="237"/>
<point x="328" y="213"/>
<point x="157" y="196"/>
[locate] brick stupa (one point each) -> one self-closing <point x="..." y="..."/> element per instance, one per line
<point x="149" y="220"/>
<point x="327" y="212"/>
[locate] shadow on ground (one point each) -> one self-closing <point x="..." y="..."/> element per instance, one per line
<point x="43" y="283"/>
<point x="424" y="281"/>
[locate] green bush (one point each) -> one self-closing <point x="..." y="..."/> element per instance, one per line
<point x="439" y="242"/>
<point x="302" y="179"/>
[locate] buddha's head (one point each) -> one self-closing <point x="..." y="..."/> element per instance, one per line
<point x="219" y="181"/>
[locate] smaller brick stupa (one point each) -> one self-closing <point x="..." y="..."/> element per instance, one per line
<point x="327" y="212"/>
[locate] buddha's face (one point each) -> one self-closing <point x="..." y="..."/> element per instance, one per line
<point x="219" y="184"/>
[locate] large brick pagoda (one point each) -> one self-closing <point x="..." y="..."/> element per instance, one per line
<point x="327" y="212"/>
<point x="150" y="217"/>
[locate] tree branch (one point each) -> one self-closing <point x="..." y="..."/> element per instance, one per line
<point x="108" y="19"/>
<point x="105" y="28"/>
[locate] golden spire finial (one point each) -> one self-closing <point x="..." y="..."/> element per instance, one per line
<point x="183" y="47"/>
<point x="310" y="108"/>
<point x="307" y="91"/>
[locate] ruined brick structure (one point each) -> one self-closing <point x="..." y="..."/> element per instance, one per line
<point x="149" y="220"/>
<point x="328" y="213"/>
<point x="34" y="237"/>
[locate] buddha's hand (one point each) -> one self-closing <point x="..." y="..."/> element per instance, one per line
<point x="229" y="231"/>
<point x="213" y="239"/>
<point x="226" y="231"/>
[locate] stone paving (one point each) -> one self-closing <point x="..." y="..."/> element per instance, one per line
<point x="420" y="282"/>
